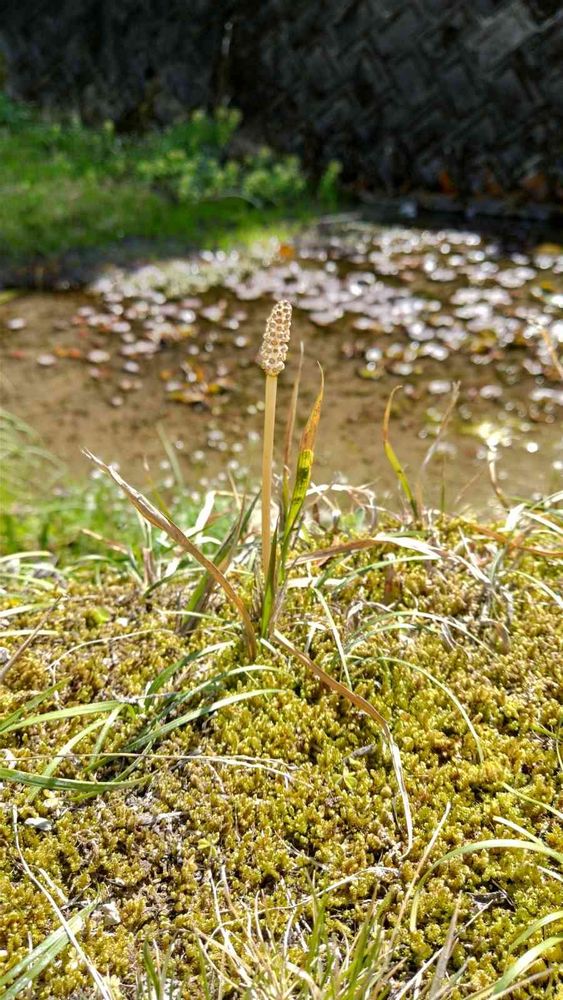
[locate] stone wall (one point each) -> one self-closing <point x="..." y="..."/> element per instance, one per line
<point x="453" y="95"/>
<point x="130" y="61"/>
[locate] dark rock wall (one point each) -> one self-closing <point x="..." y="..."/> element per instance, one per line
<point x="456" y="95"/>
<point x="131" y="61"/>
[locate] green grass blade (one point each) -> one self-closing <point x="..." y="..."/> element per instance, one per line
<point x="222" y="559"/>
<point x="29" y="968"/>
<point x="268" y="603"/>
<point x="64" y="713"/>
<point x="165" y="675"/>
<point x="198" y="713"/>
<point x="150" y="513"/>
<point x="549" y="918"/>
<point x="394" y="461"/>
<point x="520" y="966"/>
<point x="62" y="784"/>
<point x="7" y="723"/>
<point x="364" y="706"/>
<point x="453" y="698"/>
<point x="495" y="843"/>
<point x="59" y="756"/>
<point x="303" y="471"/>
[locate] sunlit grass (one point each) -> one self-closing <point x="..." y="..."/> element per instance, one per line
<point x="65" y="186"/>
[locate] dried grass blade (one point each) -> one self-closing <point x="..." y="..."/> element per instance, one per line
<point x="356" y="545"/>
<point x="444" y="957"/>
<point x="154" y="516"/>
<point x="203" y="589"/>
<point x="364" y="706"/>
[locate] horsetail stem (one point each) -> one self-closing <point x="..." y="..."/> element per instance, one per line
<point x="272" y="359"/>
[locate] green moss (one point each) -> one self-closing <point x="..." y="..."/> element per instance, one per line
<point x="333" y="814"/>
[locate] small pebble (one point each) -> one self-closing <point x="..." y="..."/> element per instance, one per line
<point x="46" y="360"/>
<point x="110" y="914"/>
<point x="44" y="825"/>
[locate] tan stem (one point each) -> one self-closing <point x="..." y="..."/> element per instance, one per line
<point x="267" y="462"/>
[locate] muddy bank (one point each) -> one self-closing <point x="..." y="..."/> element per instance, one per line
<point x="169" y="350"/>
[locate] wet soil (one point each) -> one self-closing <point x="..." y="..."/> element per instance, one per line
<point x="168" y="351"/>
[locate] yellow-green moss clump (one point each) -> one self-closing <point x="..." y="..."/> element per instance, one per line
<point x="322" y="809"/>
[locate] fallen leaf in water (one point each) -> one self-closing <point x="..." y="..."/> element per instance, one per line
<point x="74" y="353"/>
<point x="190" y="397"/>
<point x="286" y="251"/>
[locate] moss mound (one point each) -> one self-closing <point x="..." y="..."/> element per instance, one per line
<point x="292" y="788"/>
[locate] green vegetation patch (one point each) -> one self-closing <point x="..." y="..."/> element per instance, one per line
<point x="279" y="796"/>
<point x="65" y="186"/>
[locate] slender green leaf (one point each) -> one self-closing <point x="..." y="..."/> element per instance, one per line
<point x="268" y="602"/>
<point x="303" y="472"/>
<point x="533" y="928"/>
<point x="364" y="706"/>
<point x="62" y="784"/>
<point x="59" y="756"/>
<point x="495" y="843"/>
<point x="197" y="713"/>
<point x="154" y="516"/>
<point x="394" y="461"/>
<point x="65" y="713"/>
<point x="515" y="970"/>
<point x="32" y="965"/>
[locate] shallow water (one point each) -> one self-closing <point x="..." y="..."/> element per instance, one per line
<point x="173" y="346"/>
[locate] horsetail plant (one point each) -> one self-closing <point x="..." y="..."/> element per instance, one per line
<point x="275" y="548"/>
<point x="271" y="359"/>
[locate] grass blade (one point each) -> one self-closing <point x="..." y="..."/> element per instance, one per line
<point x="289" y="428"/>
<point x="62" y="784"/>
<point x="394" y="461"/>
<point x="203" y="589"/>
<point x="29" y="968"/>
<point x="63" y="752"/>
<point x="549" y="918"/>
<point x="364" y="706"/>
<point x="154" y="516"/>
<point x="443" y="687"/>
<point x="515" y="970"/>
<point x="494" y="843"/>
<point x="65" y="713"/>
<point x="303" y="472"/>
<point x="196" y="713"/>
<point x="269" y="601"/>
